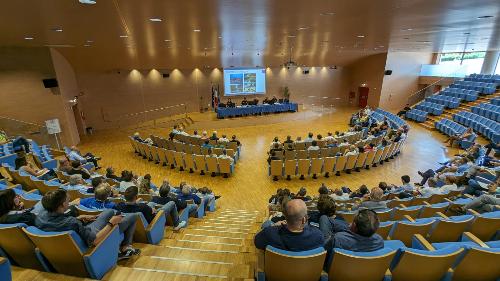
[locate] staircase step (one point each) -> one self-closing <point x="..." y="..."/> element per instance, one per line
<point x="221" y="233"/>
<point x="191" y="267"/>
<point x="23" y="274"/>
<point x="205" y="247"/>
<point x="122" y="273"/>
<point x="187" y="254"/>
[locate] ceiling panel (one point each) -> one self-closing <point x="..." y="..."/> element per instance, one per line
<point x="245" y="32"/>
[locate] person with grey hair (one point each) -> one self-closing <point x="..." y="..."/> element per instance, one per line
<point x="294" y="234"/>
<point x="76" y="182"/>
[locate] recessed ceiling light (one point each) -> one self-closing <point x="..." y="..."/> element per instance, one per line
<point x="327" y="14"/>
<point x="57" y="29"/>
<point x="407" y="29"/>
<point x="88" y="2"/>
<point x="90" y="41"/>
<point x="484" y="17"/>
<point x="196" y="30"/>
<point x="123" y="36"/>
<point x="291" y="36"/>
<point x="86" y="45"/>
<point x="360" y="36"/>
<point x="381" y="46"/>
<point x="302" y="28"/>
<point x="28" y="38"/>
<point x="155" y="19"/>
<point x="167" y="40"/>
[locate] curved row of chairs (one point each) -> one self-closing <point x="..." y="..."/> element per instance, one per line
<point x="430" y="107"/>
<point x="488" y="78"/>
<point x="485" y="126"/>
<point x="447" y="101"/>
<point x="416" y="115"/>
<point x="487" y="110"/>
<point x="350" y="137"/>
<point x="468" y="259"/>
<point x="327" y="165"/>
<point x="187" y="161"/>
<point x="482" y="87"/>
<point x="30" y="247"/>
<point x="462" y="94"/>
<point x="182" y="141"/>
<point x="394" y="121"/>
<point x="450" y="128"/>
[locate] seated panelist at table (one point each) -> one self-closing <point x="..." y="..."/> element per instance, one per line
<point x="266" y="101"/>
<point x="273" y="100"/>
<point x="244" y="101"/>
<point x="230" y="103"/>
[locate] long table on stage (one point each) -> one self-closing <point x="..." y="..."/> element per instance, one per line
<point x="223" y="112"/>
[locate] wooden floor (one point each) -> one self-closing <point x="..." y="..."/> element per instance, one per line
<point x="250" y="186"/>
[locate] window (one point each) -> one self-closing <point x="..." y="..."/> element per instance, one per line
<point x="472" y="62"/>
<point x="497" y="70"/>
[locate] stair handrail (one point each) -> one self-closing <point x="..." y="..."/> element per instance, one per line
<point x="21" y="121"/>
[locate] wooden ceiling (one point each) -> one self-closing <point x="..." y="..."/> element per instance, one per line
<point x="245" y="32"/>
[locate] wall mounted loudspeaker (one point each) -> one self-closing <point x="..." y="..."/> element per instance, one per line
<point x="50" y="83"/>
<point x="165" y="75"/>
<point x="388" y="72"/>
<point x="306" y="71"/>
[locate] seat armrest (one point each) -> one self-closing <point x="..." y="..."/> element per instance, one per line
<point x="409" y="218"/>
<point x="156" y="228"/>
<point x="442" y="215"/>
<point x="102" y="257"/>
<point x="475" y="213"/>
<point x="419" y="242"/>
<point x="467" y="236"/>
<point x="469" y="196"/>
<point x="427" y="203"/>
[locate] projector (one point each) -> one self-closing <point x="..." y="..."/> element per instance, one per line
<point x="88" y="2"/>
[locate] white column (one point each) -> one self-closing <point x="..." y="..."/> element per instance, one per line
<point x="490" y="62"/>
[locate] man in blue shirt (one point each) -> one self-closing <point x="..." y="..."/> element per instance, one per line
<point x="294" y="235"/>
<point x="100" y="201"/>
<point x="361" y="236"/>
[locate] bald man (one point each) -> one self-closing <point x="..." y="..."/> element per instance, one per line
<point x="294" y="235"/>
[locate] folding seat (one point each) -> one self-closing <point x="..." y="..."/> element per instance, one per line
<point x="437" y="198"/>
<point x="378" y="156"/>
<point x="5" y="272"/>
<point x="314" y="154"/>
<point x="413" y="264"/>
<point x="190" y="162"/>
<point x="179" y="160"/>
<point x="290" y="168"/>
<point x="384" y="214"/>
<point x="200" y="163"/>
<point x="171" y="158"/>
<point x="351" y="161"/>
<point x="163" y="156"/>
<point x="225" y="167"/>
<point x="404" y="230"/>
<point x="275" y="263"/>
<point x="17" y="246"/>
<point x="401" y="213"/>
<point x="290" y="154"/>
<point x="212" y="165"/>
<point x="303" y="167"/>
<point x="302" y="154"/>
<point x="77" y="259"/>
<point x="340" y="164"/>
<point x="429" y="210"/>
<point x="345" y="265"/>
<point x="316" y="166"/>
<point x="387" y="148"/>
<point x="360" y="162"/>
<point x="485" y="226"/>
<point x="150" y="233"/>
<point x="446" y="229"/>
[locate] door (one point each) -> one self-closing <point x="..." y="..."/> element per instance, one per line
<point x="78" y="120"/>
<point x="363" y="96"/>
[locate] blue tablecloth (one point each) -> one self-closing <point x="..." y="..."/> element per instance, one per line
<point x="255" y="109"/>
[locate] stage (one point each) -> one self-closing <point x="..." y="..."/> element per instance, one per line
<point x="245" y="110"/>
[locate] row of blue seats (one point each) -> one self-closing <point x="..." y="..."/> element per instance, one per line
<point x="467" y="259"/>
<point x="417" y="115"/>
<point x="487" y="127"/>
<point x="462" y="94"/>
<point x="395" y="121"/>
<point x="487" y="110"/>
<point x="496" y="101"/>
<point x="447" y="101"/>
<point x="489" y="78"/>
<point x="432" y="108"/>
<point x="482" y="87"/>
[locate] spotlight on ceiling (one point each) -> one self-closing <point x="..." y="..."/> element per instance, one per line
<point x="87" y="2"/>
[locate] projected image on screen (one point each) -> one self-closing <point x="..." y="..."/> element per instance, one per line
<point x="248" y="81"/>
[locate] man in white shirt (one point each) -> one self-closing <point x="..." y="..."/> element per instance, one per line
<point x="329" y="137"/>
<point x="175" y="130"/>
<point x="195" y="134"/>
<point x="310" y="137"/>
<point x="225" y="156"/>
<point x="76" y="182"/>
<point x="314" y="146"/>
<point x="353" y="150"/>
<point x="89" y="157"/>
<point x="224" y="139"/>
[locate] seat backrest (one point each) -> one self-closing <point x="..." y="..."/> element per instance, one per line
<point x="485" y="228"/>
<point x="404" y="230"/>
<point x="225" y="165"/>
<point x="302" y="154"/>
<point x="446" y="230"/>
<point x="290" y="167"/>
<point x="307" y="265"/>
<point x="399" y="213"/>
<point x="478" y="264"/>
<point x="18" y="246"/>
<point x="341" y="163"/>
<point x="329" y="164"/>
<point x="413" y="265"/>
<point x="200" y="162"/>
<point x="212" y="164"/>
<point x="70" y="261"/>
<point x="384" y="229"/>
<point x="346" y="265"/>
<point x="430" y="211"/>
<point x="316" y="165"/>
<point x="360" y="162"/>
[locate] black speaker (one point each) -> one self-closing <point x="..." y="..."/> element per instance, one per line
<point x="306" y="71"/>
<point x="165" y="75"/>
<point x="388" y="72"/>
<point x="50" y="83"/>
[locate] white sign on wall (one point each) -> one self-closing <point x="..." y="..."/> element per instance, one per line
<point x="53" y="126"/>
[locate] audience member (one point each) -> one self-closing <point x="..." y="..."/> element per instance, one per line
<point x="76" y="168"/>
<point x="100" y="200"/>
<point x="374" y="201"/>
<point x="89" y="157"/>
<point x="76" y="182"/>
<point x="329" y="222"/>
<point x="12" y="209"/>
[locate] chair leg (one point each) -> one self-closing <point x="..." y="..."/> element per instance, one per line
<point x="202" y="172"/>
<point x="302" y="177"/>
<point x="172" y="166"/>
<point x="275" y="178"/>
<point x="357" y="169"/>
<point x="327" y="175"/>
<point x="288" y="178"/>
<point x="213" y="174"/>
<point x="337" y="174"/>
<point x="367" y="167"/>
<point x="181" y="169"/>
<point x="374" y="165"/>
<point x="225" y="176"/>
<point x="348" y="171"/>
<point x="191" y="170"/>
<point x="314" y="176"/>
